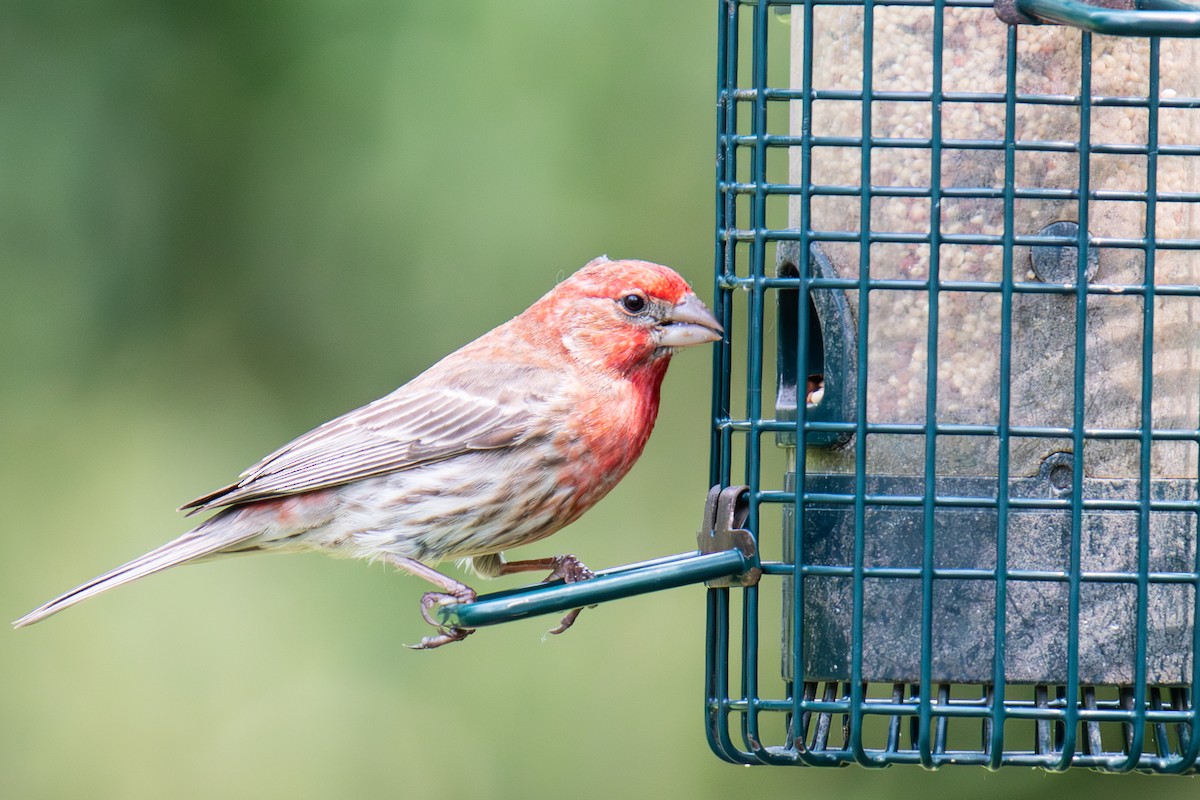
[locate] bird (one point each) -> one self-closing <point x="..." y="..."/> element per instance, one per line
<point x="501" y="443"/>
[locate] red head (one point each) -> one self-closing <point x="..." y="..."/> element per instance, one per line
<point x="624" y="315"/>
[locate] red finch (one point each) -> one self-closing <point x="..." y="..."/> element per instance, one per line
<point x="499" y="444"/>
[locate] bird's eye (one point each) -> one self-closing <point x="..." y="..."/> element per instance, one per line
<point x="633" y="303"/>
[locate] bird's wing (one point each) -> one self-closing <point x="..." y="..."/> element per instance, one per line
<point x="436" y="416"/>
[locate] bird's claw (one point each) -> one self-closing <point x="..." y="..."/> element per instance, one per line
<point x="567" y="621"/>
<point x="445" y="635"/>
<point x="569" y="569"/>
<point x="434" y="600"/>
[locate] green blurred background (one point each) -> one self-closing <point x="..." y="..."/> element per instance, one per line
<point x="222" y="223"/>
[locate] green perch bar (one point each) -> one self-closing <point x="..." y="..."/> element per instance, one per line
<point x="667" y="572"/>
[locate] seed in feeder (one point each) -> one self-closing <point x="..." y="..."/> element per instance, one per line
<point x="816" y="390"/>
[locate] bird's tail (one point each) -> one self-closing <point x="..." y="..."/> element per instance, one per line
<point x="212" y="537"/>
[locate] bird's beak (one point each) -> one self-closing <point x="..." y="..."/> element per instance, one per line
<point x="688" y="323"/>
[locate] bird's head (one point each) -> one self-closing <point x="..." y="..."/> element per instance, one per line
<point x="624" y="315"/>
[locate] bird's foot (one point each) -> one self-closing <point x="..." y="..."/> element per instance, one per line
<point x="444" y="636"/>
<point x="568" y="569"/>
<point x="430" y="601"/>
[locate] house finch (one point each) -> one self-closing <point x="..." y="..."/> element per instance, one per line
<point x="499" y="444"/>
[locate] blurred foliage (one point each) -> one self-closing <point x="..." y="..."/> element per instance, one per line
<point x="222" y="223"/>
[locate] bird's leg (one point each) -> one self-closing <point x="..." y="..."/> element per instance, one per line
<point x="566" y="568"/>
<point x="455" y="592"/>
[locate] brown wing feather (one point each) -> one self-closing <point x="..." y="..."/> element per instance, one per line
<point x="436" y="416"/>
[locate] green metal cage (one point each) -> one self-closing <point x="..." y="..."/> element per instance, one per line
<point x="957" y="257"/>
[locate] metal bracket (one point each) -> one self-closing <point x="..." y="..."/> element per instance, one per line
<point x="725" y="513"/>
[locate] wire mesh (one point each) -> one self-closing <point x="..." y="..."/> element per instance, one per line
<point x="958" y="261"/>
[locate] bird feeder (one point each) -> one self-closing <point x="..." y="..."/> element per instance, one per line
<point x="956" y="426"/>
<point x="966" y="247"/>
